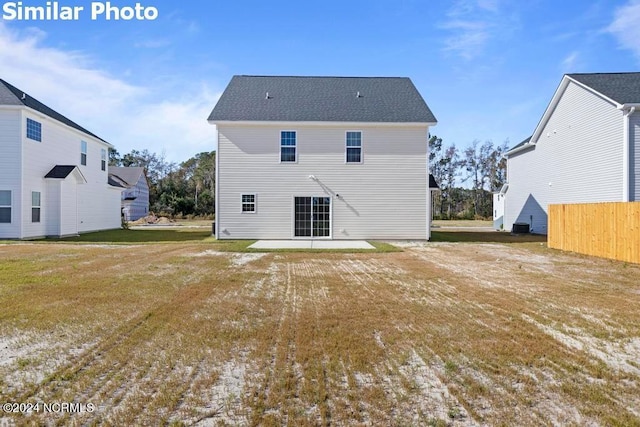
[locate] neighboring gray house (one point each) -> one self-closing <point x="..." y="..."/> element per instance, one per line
<point x="585" y="149"/>
<point x="53" y="172"/>
<point x="135" y="197"/>
<point x="322" y="157"/>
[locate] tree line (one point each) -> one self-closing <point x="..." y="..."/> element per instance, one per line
<point x="467" y="178"/>
<point x="175" y="189"/>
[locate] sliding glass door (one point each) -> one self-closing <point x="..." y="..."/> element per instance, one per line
<point x="312" y="217"/>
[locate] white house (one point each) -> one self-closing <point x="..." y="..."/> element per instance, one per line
<point x="135" y="197"/>
<point x="322" y="157"/>
<point x="586" y="148"/>
<point x="498" y="210"/>
<point x="53" y="172"/>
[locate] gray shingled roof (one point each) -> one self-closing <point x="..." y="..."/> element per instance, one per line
<point x="130" y="174"/>
<point x="60" y="171"/>
<point x="326" y="99"/>
<point x="526" y="141"/>
<point x="623" y="88"/>
<point x="11" y="95"/>
<point x="116" y="181"/>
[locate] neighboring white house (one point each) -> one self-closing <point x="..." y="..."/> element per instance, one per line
<point x="135" y="197"/>
<point x="53" y="172"/>
<point x="585" y="149"/>
<point x="498" y="210"/>
<point x="322" y="157"/>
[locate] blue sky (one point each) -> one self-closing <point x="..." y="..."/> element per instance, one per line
<point x="487" y="68"/>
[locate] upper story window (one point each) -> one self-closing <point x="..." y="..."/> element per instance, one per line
<point x="249" y="203"/>
<point x="83" y="153"/>
<point x="354" y="147"/>
<point x="5" y="206"/>
<point x="34" y="130"/>
<point x="35" y="206"/>
<point x="103" y="159"/>
<point x="288" y="146"/>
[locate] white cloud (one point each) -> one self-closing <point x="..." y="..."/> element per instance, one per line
<point x="626" y="26"/>
<point x="472" y="23"/>
<point x="469" y="37"/>
<point x="570" y="62"/>
<point x="128" y="116"/>
<point x="490" y="5"/>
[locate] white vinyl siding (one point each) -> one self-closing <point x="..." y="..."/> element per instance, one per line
<point x="634" y="138"/>
<point x="12" y="133"/>
<point x="95" y="205"/>
<point x="385" y="198"/>
<point x="577" y="159"/>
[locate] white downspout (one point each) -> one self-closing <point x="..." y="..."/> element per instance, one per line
<point x="626" y="166"/>
<point x="217" y="187"/>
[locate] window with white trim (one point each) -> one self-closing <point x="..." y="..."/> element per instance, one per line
<point x="103" y="159"/>
<point x="354" y="147"/>
<point x="288" y="145"/>
<point x="83" y="153"/>
<point x="36" y="197"/>
<point x="34" y="130"/>
<point x="5" y="206"/>
<point x="248" y="203"/>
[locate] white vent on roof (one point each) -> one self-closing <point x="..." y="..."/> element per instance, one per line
<point x="358" y="95"/>
<point x="267" y="96"/>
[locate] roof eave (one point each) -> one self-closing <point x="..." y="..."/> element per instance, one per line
<point x="317" y="123"/>
<point x="47" y="117"/>
<point x="519" y="149"/>
<point x="629" y="106"/>
<point x="566" y="79"/>
<point x="590" y="89"/>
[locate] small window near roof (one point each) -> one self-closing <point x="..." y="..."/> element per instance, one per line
<point x="287" y="146"/>
<point x="354" y="147"/>
<point x="34" y="130"/>
<point x="103" y="159"/>
<point x="83" y="153"/>
<point x="248" y="203"/>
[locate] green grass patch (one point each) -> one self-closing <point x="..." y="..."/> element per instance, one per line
<point x="467" y="223"/>
<point x="197" y="235"/>
<point x="156" y="235"/>
<point x="484" y="237"/>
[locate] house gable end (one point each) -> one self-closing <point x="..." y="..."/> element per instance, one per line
<point x="11" y="95"/>
<point x="608" y="87"/>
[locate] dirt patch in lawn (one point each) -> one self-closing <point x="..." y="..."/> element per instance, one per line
<point x="440" y="334"/>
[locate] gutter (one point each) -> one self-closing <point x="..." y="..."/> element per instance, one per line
<point x="627" y="111"/>
<point x="519" y="149"/>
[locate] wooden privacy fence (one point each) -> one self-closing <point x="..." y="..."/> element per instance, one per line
<point x="608" y="230"/>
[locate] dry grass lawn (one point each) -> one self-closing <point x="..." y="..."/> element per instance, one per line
<point x="440" y="334"/>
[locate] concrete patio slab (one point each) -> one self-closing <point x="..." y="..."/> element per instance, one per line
<point x="311" y="244"/>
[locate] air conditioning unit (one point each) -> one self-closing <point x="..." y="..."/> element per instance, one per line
<point x="520" y="228"/>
